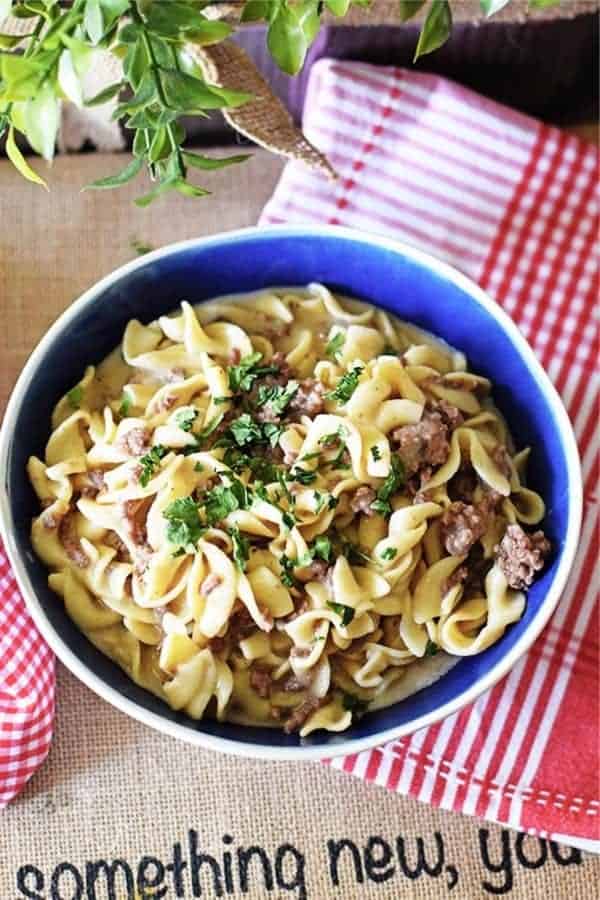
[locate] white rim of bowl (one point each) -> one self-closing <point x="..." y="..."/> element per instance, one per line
<point x="339" y="747"/>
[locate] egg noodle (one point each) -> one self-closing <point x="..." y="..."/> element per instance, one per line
<point x="284" y="509"/>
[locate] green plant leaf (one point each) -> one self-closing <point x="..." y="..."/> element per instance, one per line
<point x="68" y="79"/>
<point x="159" y="146"/>
<point x="286" y="40"/>
<point x="20" y="76"/>
<point x="409" y="8"/>
<point x="9" y="40"/>
<point x="188" y="93"/>
<point x="190" y="190"/>
<point x="208" y="32"/>
<point x="489" y="7"/>
<point x="93" y="21"/>
<point x="256" y="11"/>
<point x="19" y="161"/>
<point x="168" y="18"/>
<point x="339" y="7"/>
<point x="42" y="115"/>
<point x="111" y="181"/>
<point x="136" y="63"/>
<point x="542" y="4"/>
<point x="436" y="28"/>
<point x="105" y="94"/>
<point x="156" y="192"/>
<point x="209" y="163"/>
<point x="112" y="10"/>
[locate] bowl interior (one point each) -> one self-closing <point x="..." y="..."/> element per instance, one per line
<point x="250" y="261"/>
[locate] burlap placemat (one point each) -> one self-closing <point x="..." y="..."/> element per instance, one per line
<point x="117" y="803"/>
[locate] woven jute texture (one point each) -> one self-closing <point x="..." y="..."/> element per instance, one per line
<point x="112" y="789"/>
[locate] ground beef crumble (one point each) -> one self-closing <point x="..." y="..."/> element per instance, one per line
<point x="260" y="680"/>
<point x="361" y="499"/>
<point x="301" y="713"/>
<point x="70" y="541"/>
<point x="135" y="442"/>
<point x="423" y="444"/>
<point x="463" y="524"/>
<point x="309" y="399"/>
<point x="520" y="555"/>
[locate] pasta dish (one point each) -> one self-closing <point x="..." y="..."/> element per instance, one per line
<point x="285" y="509"/>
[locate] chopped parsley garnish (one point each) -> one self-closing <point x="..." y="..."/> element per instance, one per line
<point x="75" y="396"/>
<point x="211" y="427"/>
<point x="125" y="405"/>
<point x="302" y="476"/>
<point x="354" y="704"/>
<point x="287" y="574"/>
<point x="198" y="467"/>
<point x="388" y="553"/>
<point x="223" y="499"/>
<point x="353" y="553"/>
<point x="321" y="549"/>
<point x="243" y="376"/>
<point x="309" y="456"/>
<point x="332" y="502"/>
<point x="320" y="501"/>
<point x="287" y="519"/>
<point x="334" y="346"/>
<point x="276" y="397"/>
<point x="375" y="452"/>
<point x="392" y="483"/>
<point x="346" y="613"/>
<point x="241" y="548"/>
<point x="328" y="440"/>
<point x="218" y="400"/>
<point x="150" y="463"/>
<point x="185" y="418"/>
<point x="431" y="649"/>
<point x="245" y="430"/>
<point x="184" y="527"/>
<point x="272" y="432"/>
<point x="345" y="386"/>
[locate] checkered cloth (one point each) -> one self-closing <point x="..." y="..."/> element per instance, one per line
<point x="513" y="204"/>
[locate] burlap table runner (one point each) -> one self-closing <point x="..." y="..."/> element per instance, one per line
<point x="113" y="789"/>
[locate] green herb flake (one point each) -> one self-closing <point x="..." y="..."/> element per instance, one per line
<point x="346" y="613"/>
<point x="125" y="405"/>
<point x="75" y="396"/>
<point x="184" y="527"/>
<point x="375" y="453"/>
<point x="322" y="548"/>
<point x="150" y="463"/>
<point x="241" y="548"/>
<point x="302" y="476"/>
<point x="243" y="376"/>
<point x="345" y="386"/>
<point x="198" y="467"/>
<point x="431" y="649"/>
<point x="245" y="430"/>
<point x="390" y="486"/>
<point x="224" y="499"/>
<point x="276" y="397"/>
<point x="185" y="418"/>
<point x="389" y="553"/>
<point x="272" y="432"/>
<point x="335" y="344"/>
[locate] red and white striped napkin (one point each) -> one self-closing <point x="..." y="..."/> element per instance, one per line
<point x="513" y="204"/>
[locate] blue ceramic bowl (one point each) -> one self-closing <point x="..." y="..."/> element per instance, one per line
<point x="395" y="277"/>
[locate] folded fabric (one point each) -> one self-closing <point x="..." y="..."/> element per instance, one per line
<point x="513" y="204"/>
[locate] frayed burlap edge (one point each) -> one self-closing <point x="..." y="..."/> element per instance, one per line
<point x="264" y="119"/>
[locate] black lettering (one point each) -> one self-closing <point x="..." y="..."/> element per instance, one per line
<point x="452" y="873"/>
<point x="27" y="889"/>
<point x="227" y="869"/>
<point x="504" y="865"/>
<point x="334" y="848"/>
<point x="297" y="882"/>
<point x="525" y="860"/>
<point x="422" y="865"/>
<point x="101" y="869"/>
<point x="379" y="860"/>
<point x="573" y="857"/>
<point x="244" y="857"/>
<point x="177" y="867"/>
<point x="197" y="860"/>
<point x="56" y="893"/>
<point x="152" y="880"/>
